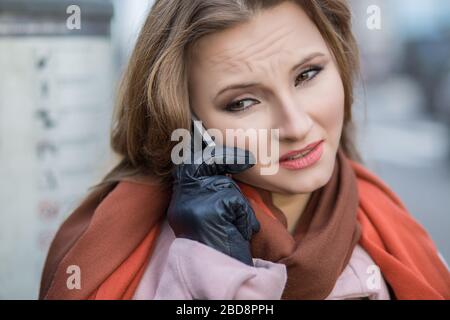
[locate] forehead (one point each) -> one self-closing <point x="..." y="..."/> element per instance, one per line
<point x="283" y="32"/>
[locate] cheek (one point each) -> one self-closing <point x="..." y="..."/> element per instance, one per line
<point x="327" y="105"/>
<point x="242" y="133"/>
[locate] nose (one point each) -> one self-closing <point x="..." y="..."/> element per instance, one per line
<point x="293" y="120"/>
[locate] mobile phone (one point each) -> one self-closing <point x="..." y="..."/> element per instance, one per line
<point x="199" y="130"/>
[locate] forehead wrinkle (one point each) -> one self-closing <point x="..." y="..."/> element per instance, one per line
<point x="258" y="54"/>
<point x="273" y="48"/>
<point x="249" y="51"/>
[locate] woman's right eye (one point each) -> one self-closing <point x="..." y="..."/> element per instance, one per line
<point x="240" y="105"/>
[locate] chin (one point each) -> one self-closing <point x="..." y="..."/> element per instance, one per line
<point x="306" y="182"/>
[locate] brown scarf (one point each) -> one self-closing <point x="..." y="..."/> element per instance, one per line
<point x="323" y="239"/>
<point x="102" y="234"/>
<point x="111" y="238"/>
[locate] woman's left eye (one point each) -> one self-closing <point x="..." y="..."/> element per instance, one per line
<point x="308" y="74"/>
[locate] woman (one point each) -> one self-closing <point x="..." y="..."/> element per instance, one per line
<point x="321" y="227"/>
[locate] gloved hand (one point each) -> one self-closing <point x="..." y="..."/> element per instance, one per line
<point x="208" y="206"/>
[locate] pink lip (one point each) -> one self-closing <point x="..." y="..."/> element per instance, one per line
<point x="295" y="152"/>
<point x="311" y="158"/>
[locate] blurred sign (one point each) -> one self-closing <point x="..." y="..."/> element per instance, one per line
<point x="55" y="109"/>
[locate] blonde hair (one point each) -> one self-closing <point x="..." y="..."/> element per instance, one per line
<point x="153" y="98"/>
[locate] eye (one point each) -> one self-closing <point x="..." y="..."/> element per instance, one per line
<point x="305" y="76"/>
<point x="240" y="105"/>
<point x="308" y="74"/>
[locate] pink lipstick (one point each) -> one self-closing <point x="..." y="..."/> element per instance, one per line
<point x="303" y="158"/>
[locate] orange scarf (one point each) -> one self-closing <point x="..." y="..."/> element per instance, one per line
<point x="112" y="238"/>
<point x="402" y="249"/>
<point x="323" y="240"/>
<point x="400" y="246"/>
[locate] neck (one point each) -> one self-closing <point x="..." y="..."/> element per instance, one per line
<point x="292" y="205"/>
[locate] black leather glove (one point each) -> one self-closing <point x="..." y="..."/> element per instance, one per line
<point x="208" y="206"/>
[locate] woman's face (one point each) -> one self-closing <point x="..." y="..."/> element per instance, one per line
<point x="305" y="102"/>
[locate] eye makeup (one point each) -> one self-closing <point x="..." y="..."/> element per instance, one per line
<point x="308" y="74"/>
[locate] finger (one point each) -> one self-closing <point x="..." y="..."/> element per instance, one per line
<point x="246" y="221"/>
<point x="253" y="225"/>
<point x="253" y="222"/>
<point x="231" y="160"/>
<point x="222" y="160"/>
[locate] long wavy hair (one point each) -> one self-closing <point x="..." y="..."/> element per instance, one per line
<point x="153" y="97"/>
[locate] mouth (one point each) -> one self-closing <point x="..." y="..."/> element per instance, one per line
<point x="295" y="154"/>
<point x="303" y="158"/>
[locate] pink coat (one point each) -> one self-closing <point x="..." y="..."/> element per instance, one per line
<point x="183" y="269"/>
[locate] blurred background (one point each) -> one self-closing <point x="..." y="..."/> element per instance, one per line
<point x="58" y="84"/>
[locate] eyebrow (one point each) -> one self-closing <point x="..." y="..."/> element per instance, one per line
<point x="253" y="84"/>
